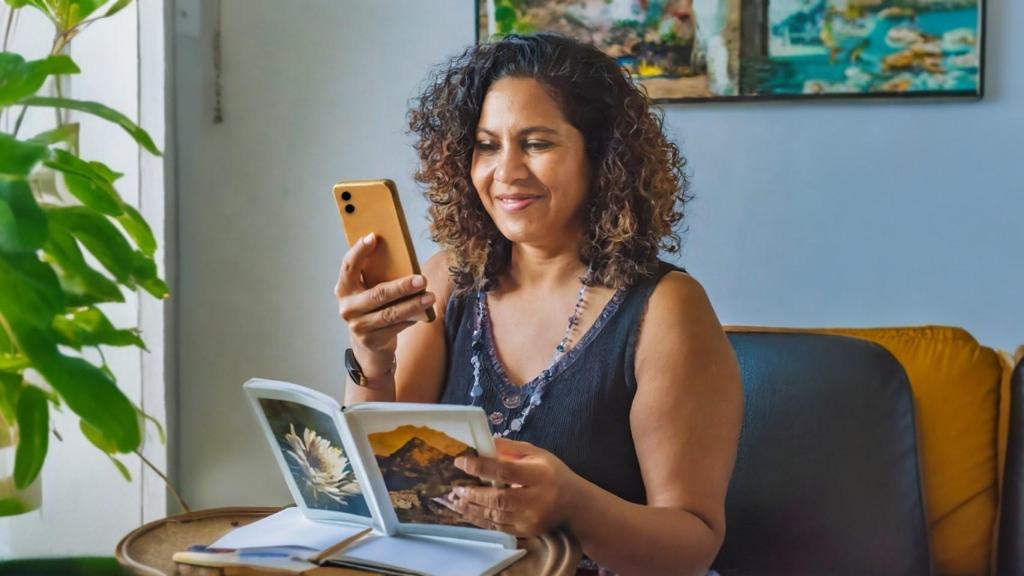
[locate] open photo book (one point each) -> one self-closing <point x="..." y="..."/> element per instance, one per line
<point x="383" y="466"/>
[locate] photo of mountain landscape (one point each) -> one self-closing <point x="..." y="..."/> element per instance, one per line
<point x="417" y="464"/>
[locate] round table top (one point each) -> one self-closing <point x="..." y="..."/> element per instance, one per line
<point x="147" y="550"/>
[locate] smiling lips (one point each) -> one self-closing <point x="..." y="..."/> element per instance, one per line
<point x="515" y="202"/>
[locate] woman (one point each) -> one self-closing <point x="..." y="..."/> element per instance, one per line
<point x="607" y="378"/>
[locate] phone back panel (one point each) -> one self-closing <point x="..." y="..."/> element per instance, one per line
<point x="373" y="206"/>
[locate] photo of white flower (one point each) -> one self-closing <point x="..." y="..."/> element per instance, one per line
<point x="311" y="446"/>
<point x="324" y="468"/>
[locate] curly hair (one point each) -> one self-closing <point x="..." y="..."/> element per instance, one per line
<point x="639" y="183"/>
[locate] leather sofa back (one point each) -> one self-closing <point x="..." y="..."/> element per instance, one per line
<point x="1011" y="529"/>
<point x="827" y="477"/>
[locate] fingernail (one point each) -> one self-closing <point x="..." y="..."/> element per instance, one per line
<point x="460" y="491"/>
<point x="460" y="462"/>
<point x="427" y="299"/>
<point x="418" y="282"/>
<point x="368" y="238"/>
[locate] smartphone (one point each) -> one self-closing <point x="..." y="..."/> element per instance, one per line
<point x="367" y="206"/>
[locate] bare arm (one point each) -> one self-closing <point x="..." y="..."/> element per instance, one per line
<point x="686" y="420"/>
<point x="420" y="353"/>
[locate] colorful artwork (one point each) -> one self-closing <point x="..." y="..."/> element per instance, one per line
<point x="417" y="463"/>
<point x="747" y="49"/>
<point x="309" y="441"/>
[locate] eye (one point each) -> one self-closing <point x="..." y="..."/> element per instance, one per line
<point x="538" y="145"/>
<point x="486" y="146"/>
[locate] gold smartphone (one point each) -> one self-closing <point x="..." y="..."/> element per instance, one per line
<point x="367" y="206"/>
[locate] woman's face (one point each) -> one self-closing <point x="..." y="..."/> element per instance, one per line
<point x="529" y="165"/>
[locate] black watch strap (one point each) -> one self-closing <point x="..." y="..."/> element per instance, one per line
<point x="355" y="371"/>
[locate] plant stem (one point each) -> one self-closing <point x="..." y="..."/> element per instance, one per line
<point x="59" y="42"/>
<point x="58" y="46"/>
<point x="8" y="28"/>
<point x="9" y="332"/>
<point x="181" y="502"/>
<point x="10" y="25"/>
<point x="17" y="123"/>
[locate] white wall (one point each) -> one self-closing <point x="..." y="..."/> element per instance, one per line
<point x="837" y="213"/>
<point x="866" y="214"/>
<point x="87" y="505"/>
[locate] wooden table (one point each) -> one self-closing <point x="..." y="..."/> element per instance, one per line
<point x="147" y="550"/>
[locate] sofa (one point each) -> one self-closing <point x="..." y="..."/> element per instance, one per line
<point x="874" y="451"/>
<point x="1011" y="529"/>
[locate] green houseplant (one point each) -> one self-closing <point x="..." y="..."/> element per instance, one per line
<point x="63" y="255"/>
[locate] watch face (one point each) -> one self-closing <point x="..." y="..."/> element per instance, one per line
<point x="355" y="372"/>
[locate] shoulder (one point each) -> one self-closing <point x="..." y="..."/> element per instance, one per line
<point x="679" y="323"/>
<point x="677" y="296"/>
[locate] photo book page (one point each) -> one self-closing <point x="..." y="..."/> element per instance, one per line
<point x="318" y="460"/>
<point x="414" y="447"/>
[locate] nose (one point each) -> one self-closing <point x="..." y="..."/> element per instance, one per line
<point x="510" y="166"/>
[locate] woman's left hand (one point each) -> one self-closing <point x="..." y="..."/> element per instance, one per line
<point x="539" y="494"/>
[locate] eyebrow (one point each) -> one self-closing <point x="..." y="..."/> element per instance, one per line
<point x="524" y="131"/>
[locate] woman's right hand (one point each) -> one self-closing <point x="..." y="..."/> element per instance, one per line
<point x="375" y="315"/>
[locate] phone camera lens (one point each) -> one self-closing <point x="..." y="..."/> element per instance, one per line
<point x="346" y="196"/>
<point x="349" y="208"/>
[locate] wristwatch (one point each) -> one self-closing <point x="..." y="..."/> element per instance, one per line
<point x="355" y="371"/>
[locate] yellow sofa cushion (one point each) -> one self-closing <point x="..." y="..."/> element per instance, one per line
<point x="956" y="384"/>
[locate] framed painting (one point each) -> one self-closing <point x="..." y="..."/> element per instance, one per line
<point x="700" y="50"/>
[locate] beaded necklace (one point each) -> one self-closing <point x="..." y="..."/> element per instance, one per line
<point x="514" y="399"/>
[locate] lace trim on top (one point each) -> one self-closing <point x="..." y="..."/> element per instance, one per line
<point x="505" y="383"/>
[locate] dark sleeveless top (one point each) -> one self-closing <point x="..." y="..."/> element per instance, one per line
<point x="584" y="416"/>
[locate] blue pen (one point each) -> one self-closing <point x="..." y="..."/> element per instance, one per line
<point x="245" y="553"/>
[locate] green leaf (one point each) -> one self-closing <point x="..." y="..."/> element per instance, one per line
<point x="33" y="436"/>
<point x="88" y="181"/>
<point x="54" y="399"/>
<point x="156" y="423"/>
<point x="17" y="158"/>
<point x="104" y="171"/>
<point x="100" y="237"/>
<point x="6" y="346"/>
<point x="20" y="3"/>
<point x="130" y="267"/>
<point x="10" y="390"/>
<point x="156" y="287"/>
<point x="145" y="275"/>
<point x="75" y="11"/>
<point x="96" y="438"/>
<point x="13" y="362"/>
<point x="97" y="109"/>
<point x="136" y="227"/>
<point x="29" y="290"/>
<point x="23" y="226"/>
<point x="86" y="389"/>
<point x="20" y="79"/>
<point x="90" y="327"/>
<point x="82" y="285"/>
<point x="121" y="468"/>
<point x="117" y="7"/>
<point x="64" y="133"/>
